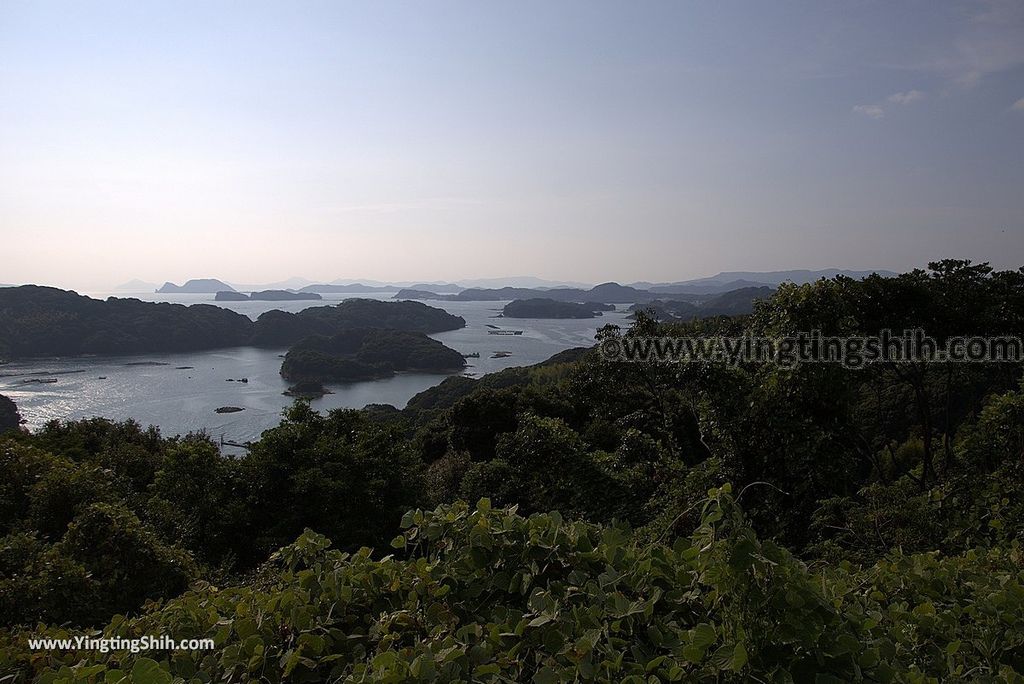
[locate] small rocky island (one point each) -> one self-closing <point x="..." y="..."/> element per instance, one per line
<point x="549" y="308"/>
<point x="231" y="296"/>
<point x="307" y="390"/>
<point x="366" y="354"/>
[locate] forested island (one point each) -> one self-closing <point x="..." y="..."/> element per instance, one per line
<point x="366" y="354"/>
<point x="549" y="308"/>
<point x="282" y="329"/>
<point x="579" y="520"/>
<point x="45" y="321"/>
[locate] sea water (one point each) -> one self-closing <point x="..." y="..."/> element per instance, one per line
<point x="179" y="393"/>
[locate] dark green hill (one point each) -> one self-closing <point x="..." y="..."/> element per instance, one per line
<point x="733" y="303"/>
<point x="548" y="308"/>
<point x="280" y="328"/>
<point x="46" y="321"/>
<point x="366" y="354"/>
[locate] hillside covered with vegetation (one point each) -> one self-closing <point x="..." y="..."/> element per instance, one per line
<point x="46" y="321"/>
<point x="579" y="520"/>
<point x="366" y="354"/>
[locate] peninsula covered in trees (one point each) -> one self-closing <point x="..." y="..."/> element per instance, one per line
<point x="46" y="321"/>
<point x="581" y="519"/>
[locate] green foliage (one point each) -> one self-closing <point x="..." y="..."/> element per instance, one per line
<point x="127" y="562"/>
<point x="487" y="595"/>
<point x="71" y="550"/>
<point x="879" y="538"/>
<point x="350" y="476"/>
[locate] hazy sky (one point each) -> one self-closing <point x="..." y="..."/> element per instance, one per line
<point x="428" y="140"/>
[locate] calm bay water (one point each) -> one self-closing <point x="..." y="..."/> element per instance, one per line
<point x="180" y="392"/>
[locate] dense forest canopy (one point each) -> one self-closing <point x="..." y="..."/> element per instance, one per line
<point x="46" y="321"/>
<point x="578" y="520"/>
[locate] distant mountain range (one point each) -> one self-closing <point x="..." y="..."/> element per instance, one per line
<point x="733" y="280"/>
<point x="578" y="303"/>
<point x="266" y="296"/>
<point x="354" y="287"/>
<point x="606" y="293"/>
<point x="293" y="283"/>
<point x="732" y="303"/>
<point x="511" y="287"/>
<point x="519" y="281"/>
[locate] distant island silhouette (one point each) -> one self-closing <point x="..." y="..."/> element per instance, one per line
<point x="265" y="296"/>
<point x="197" y="286"/>
<point x="549" y="308"/>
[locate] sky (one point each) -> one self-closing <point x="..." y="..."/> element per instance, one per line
<point x="439" y="140"/>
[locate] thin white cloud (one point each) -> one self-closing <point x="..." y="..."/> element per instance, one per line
<point x="988" y="39"/>
<point x="991" y="42"/>
<point x="1018" y="106"/>
<point x="906" y="98"/>
<point x="872" y="111"/>
<point x="877" y="111"/>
